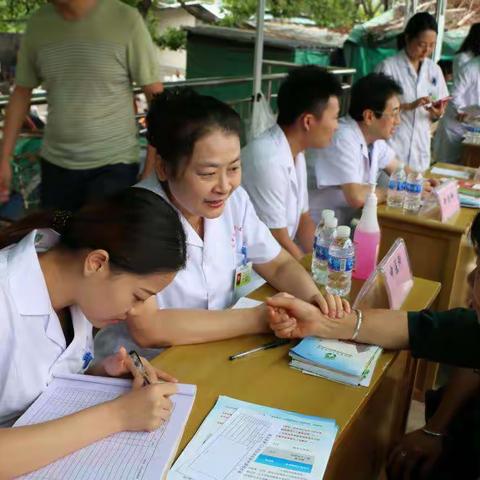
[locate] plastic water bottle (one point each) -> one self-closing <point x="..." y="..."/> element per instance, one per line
<point x="325" y="214"/>
<point x="413" y="192"/>
<point x="320" y="254"/>
<point x="396" y="187"/>
<point x="341" y="258"/>
<point x="366" y="239"/>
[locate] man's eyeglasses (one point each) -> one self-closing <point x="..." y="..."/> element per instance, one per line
<point x="395" y="114"/>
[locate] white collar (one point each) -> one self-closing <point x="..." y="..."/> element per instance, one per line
<point x="27" y="281"/>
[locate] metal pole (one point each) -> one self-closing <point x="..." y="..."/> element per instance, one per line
<point x="410" y="10"/>
<point x="440" y="14"/>
<point x="258" y="58"/>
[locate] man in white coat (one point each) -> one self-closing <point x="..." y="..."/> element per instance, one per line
<point x="273" y="164"/>
<point x="339" y="175"/>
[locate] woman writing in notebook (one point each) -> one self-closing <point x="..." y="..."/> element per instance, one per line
<point x="98" y="266"/>
<point x="198" y="171"/>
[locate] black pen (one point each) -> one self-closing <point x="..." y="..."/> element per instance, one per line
<point x="265" y="346"/>
<point x="137" y="362"/>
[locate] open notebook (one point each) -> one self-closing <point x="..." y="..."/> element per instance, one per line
<point x="123" y="456"/>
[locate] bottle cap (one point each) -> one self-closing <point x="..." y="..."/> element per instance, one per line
<point x="331" y="222"/>
<point x="327" y="213"/>
<point x="343" y="231"/>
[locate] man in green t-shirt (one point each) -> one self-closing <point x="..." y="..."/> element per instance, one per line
<point x="86" y="54"/>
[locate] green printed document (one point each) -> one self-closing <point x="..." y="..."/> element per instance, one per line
<point x="240" y="440"/>
<point x="344" y="362"/>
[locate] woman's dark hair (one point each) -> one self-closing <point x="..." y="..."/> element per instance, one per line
<point x="418" y="23"/>
<point x="140" y="231"/>
<point x="472" y="41"/>
<point x="372" y="92"/>
<point x="179" y="117"/>
<point x="306" y="90"/>
<point x="475" y="233"/>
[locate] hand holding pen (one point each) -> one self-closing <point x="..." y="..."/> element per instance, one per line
<point x="120" y="364"/>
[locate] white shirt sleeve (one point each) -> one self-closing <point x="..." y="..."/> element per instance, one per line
<point x="304" y="182"/>
<point x="268" y="189"/>
<point x="463" y="83"/>
<point x="442" y="90"/>
<point x="385" y="154"/>
<point x="261" y="244"/>
<point x="339" y="163"/>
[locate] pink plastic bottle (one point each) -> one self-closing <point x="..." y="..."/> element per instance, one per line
<point x="366" y="239"/>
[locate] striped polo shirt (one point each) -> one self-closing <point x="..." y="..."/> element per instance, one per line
<point x="87" y="67"/>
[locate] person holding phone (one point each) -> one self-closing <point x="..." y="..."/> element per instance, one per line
<point x="423" y="85"/>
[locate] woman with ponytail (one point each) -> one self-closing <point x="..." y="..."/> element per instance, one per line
<point x="60" y="274"/>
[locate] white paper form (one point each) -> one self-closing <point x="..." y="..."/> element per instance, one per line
<point x="232" y="448"/>
<point x="449" y="172"/>
<point x="125" y="455"/>
<point x="299" y="451"/>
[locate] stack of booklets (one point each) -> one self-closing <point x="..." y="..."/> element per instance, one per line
<point x="240" y="440"/>
<point x="344" y="362"/>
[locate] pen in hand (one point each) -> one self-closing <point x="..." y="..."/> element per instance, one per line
<point x="265" y="346"/>
<point x="137" y="362"/>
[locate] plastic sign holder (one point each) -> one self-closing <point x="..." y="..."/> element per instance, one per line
<point x="390" y="283"/>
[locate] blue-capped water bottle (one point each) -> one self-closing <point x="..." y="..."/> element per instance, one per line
<point x="341" y="257"/>
<point x="325" y="214"/>
<point x="323" y="241"/>
<point x="396" y="187"/>
<point x="413" y="192"/>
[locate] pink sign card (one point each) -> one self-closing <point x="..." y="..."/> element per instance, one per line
<point x="398" y="277"/>
<point x="447" y="195"/>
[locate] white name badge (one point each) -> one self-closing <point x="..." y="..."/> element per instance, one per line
<point x="242" y="280"/>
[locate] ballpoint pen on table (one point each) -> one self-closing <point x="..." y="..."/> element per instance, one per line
<point x="265" y="346"/>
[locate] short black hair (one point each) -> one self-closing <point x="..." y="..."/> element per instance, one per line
<point x="418" y="23"/>
<point x="372" y="92"/>
<point x="179" y="117"/>
<point x="305" y="90"/>
<point x="472" y="41"/>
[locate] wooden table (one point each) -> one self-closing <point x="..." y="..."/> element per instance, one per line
<point x="370" y="419"/>
<point x="438" y="251"/>
<point x="470" y="155"/>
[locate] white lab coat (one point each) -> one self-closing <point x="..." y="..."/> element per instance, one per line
<point x="207" y="280"/>
<point x="32" y="343"/>
<point x="275" y="182"/>
<point x="450" y="132"/>
<point x="412" y="139"/>
<point x="346" y="160"/>
<point x="459" y="61"/>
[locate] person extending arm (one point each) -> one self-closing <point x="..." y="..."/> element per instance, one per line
<point x="448" y="337"/>
<point x="153" y="327"/>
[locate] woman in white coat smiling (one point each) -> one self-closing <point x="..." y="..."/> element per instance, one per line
<point x="198" y="171"/>
<point x="98" y="266"/>
<point x="423" y="87"/>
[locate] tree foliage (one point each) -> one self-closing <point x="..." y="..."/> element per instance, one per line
<point x="14" y="13"/>
<point x="325" y="13"/>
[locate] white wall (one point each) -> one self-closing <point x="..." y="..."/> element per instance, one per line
<point x="172" y="62"/>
